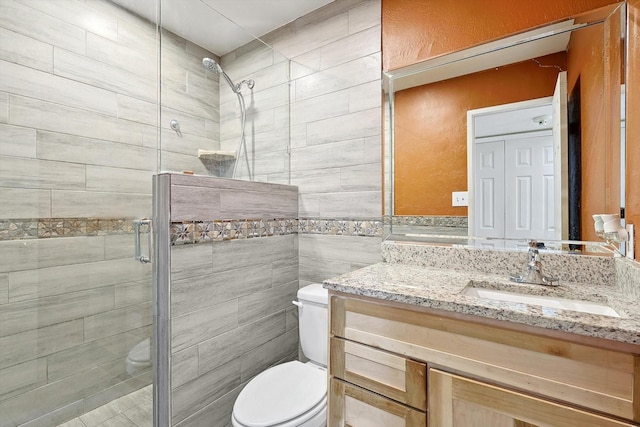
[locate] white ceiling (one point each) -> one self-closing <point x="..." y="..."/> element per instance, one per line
<point x="221" y="26"/>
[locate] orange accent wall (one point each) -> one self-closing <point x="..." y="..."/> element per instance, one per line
<point x="431" y="130"/>
<point x="415" y="30"/>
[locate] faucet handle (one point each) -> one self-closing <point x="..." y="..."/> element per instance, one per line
<point x="536" y="244"/>
<point x="533" y="274"/>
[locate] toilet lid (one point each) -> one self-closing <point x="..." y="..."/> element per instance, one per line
<point x="280" y="393"/>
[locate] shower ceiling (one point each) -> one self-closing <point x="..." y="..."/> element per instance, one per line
<point x="223" y="25"/>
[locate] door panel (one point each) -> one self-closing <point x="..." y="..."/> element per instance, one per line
<point x="529" y="188"/>
<point x="489" y="189"/>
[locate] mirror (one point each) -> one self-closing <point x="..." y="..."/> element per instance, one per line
<point x="448" y="118"/>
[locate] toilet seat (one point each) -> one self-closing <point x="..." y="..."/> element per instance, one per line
<point x="285" y="395"/>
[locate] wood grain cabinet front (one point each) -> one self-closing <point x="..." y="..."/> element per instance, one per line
<point x="388" y="374"/>
<point x="380" y="345"/>
<point x="456" y="401"/>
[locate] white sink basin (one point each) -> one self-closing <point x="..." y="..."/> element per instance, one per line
<point x="544" y="301"/>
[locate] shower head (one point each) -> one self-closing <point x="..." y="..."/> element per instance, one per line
<point x="211" y="65"/>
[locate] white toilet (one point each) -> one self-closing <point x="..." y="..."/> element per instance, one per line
<point x="139" y="357"/>
<point x="292" y="394"/>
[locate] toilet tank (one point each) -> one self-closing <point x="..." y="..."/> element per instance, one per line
<point x="313" y="322"/>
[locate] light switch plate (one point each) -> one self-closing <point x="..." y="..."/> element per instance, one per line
<point x="459" y="198"/>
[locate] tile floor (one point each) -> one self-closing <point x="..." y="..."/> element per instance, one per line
<point x="132" y="410"/>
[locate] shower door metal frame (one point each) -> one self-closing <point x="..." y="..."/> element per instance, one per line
<point x="161" y="348"/>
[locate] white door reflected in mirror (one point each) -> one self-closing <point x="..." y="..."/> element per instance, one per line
<point x="513" y="179"/>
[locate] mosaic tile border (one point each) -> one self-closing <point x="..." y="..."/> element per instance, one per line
<point x="186" y="232"/>
<point x="341" y="227"/>
<point x="46" y="228"/>
<point x="194" y="232"/>
<point x="189" y="232"/>
<point x="434" y="221"/>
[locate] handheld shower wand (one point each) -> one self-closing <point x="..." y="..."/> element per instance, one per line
<point x="212" y="65"/>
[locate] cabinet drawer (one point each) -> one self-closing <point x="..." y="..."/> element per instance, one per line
<point x="460" y="401"/>
<point x="396" y="377"/>
<point x="353" y="406"/>
<point x="591" y="377"/>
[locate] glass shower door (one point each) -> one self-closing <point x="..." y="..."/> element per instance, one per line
<point x="78" y="149"/>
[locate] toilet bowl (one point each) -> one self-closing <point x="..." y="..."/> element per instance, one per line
<point x="139" y="357"/>
<point x="292" y="394"/>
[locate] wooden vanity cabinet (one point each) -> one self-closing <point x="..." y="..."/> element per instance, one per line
<point x="432" y="368"/>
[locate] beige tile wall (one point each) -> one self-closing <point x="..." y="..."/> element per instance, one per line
<point x="335" y="121"/>
<point x="78" y="86"/>
<point x="267" y="120"/>
<point x="335" y="133"/>
<point x="335" y="144"/>
<point x="231" y="315"/>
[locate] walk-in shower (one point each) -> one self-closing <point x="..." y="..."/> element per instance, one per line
<point x="212" y="65"/>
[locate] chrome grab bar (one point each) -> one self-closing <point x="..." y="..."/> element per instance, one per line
<point x="140" y="226"/>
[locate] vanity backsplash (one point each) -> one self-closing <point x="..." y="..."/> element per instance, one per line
<point x="596" y="270"/>
<point x="628" y="277"/>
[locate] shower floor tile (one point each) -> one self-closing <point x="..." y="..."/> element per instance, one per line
<point x="132" y="410"/>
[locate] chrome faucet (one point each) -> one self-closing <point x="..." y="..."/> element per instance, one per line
<point x="533" y="273"/>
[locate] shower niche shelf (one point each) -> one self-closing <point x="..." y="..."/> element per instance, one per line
<point x="218" y="163"/>
<point x="216" y="155"/>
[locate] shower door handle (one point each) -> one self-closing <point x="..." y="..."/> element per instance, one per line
<point x="140" y="226"/>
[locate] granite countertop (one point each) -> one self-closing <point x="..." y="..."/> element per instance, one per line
<point x="441" y="289"/>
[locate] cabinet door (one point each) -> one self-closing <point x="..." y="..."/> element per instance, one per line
<point x="352" y="406"/>
<point x="393" y="376"/>
<point x="456" y="401"/>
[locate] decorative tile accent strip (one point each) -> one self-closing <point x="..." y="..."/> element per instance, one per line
<point x="189" y="232"/>
<point x="341" y="227"/>
<point x="45" y="228"/>
<point x="435" y="221"/>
